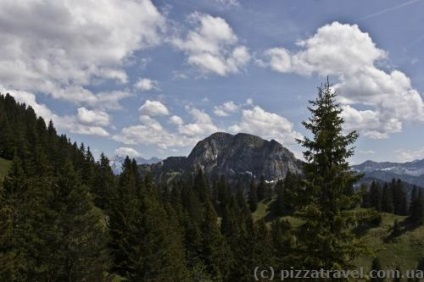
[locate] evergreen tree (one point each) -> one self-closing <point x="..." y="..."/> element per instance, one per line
<point x="263" y="253"/>
<point x="375" y="196"/>
<point x="399" y="196"/>
<point x="104" y="183"/>
<point x="283" y="242"/>
<point x="417" y="206"/>
<point x="325" y="239"/>
<point x="253" y="197"/>
<point x="7" y="255"/>
<point x="215" y="251"/>
<point x="387" y="202"/>
<point x="202" y="187"/>
<point x="263" y="190"/>
<point x="366" y="203"/>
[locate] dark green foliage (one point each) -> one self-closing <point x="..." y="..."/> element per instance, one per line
<point x="253" y="197"/>
<point x="387" y="202"/>
<point x="400" y="201"/>
<point x="417" y="206"/>
<point x="287" y="194"/>
<point x="325" y="239"/>
<point x="376" y="266"/>
<point x="215" y="252"/>
<point x="375" y="196"/>
<point x="263" y="190"/>
<point x="283" y="242"/>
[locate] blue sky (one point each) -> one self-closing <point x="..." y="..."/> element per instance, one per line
<point x="151" y="78"/>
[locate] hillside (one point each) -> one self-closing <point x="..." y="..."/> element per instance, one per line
<point x="402" y="251"/>
<point x="235" y="157"/>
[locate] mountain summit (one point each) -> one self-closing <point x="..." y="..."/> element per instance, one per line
<point x="235" y="157"/>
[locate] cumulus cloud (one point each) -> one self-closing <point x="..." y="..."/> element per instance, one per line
<point x="58" y="47"/>
<point x="407" y="155"/>
<point x="93" y="117"/>
<point x="201" y="126"/>
<point x="345" y="51"/>
<point x="267" y="125"/>
<point x="127" y="151"/>
<point x="176" y="120"/>
<point x="146" y="84"/>
<point x="226" y="109"/>
<point x="151" y="132"/>
<point x="212" y="46"/>
<point x="153" y="108"/>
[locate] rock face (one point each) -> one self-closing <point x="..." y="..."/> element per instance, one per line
<point x="235" y="157"/>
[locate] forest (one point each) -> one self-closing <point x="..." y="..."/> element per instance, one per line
<point x="65" y="216"/>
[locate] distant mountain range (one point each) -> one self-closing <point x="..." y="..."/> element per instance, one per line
<point x="236" y="157"/>
<point x="411" y="172"/>
<point x="245" y="157"/>
<point x="118" y="160"/>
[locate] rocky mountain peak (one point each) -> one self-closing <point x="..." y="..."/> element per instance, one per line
<point x="232" y="156"/>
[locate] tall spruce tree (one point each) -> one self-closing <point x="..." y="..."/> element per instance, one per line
<point x="325" y="238"/>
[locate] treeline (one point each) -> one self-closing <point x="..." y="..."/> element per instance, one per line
<point x="66" y="217"/>
<point x="393" y="198"/>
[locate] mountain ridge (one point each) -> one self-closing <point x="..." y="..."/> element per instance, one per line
<point x="237" y="157"/>
<point x="411" y="172"/>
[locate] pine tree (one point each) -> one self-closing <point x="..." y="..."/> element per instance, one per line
<point x="7" y="255"/>
<point x="375" y="195"/>
<point x="325" y="239"/>
<point x="387" y="202"/>
<point x="417" y="206"/>
<point x="263" y="189"/>
<point x="253" y="197"/>
<point x="399" y="197"/>
<point x="215" y="251"/>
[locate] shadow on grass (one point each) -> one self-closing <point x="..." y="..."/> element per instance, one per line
<point x="400" y="228"/>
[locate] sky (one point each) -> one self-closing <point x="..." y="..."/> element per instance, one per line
<point x="152" y="78"/>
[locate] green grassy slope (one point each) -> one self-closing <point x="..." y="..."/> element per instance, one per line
<point x="404" y="250"/>
<point x="4" y="168"/>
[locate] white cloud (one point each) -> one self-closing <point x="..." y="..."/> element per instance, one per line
<point x="201" y="126"/>
<point x="146" y="84"/>
<point x="153" y="108"/>
<point x="73" y="126"/>
<point x="93" y="117"/>
<point x="226" y="109"/>
<point x="127" y="151"/>
<point x="227" y="3"/>
<point x="55" y="47"/>
<point x="267" y="125"/>
<point x="151" y="132"/>
<point x="345" y="51"/>
<point x="212" y="46"/>
<point x="407" y="155"/>
<point x="176" y="120"/>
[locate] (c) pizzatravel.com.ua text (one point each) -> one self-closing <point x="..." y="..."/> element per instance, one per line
<point x="273" y="274"/>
